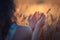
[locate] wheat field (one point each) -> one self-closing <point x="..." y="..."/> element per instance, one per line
<point x="26" y="7"/>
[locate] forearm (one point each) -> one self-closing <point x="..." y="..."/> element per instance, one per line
<point x="35" y="35"/>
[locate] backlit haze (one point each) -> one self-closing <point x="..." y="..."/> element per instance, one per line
<point x="26" y="7"/>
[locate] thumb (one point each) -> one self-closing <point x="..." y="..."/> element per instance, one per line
<point x="41" y="21"/>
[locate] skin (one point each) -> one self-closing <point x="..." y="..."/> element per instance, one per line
<point x="38" y="25"/>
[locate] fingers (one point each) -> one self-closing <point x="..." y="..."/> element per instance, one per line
<point x="41" y="21"/>
<point x="40" y="15"/>
<point x="35" y="16"/>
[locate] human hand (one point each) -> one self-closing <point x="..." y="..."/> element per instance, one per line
<point x="38" y="31"/>
<point x="32" y="19"/>
<point x="41" y="21"/>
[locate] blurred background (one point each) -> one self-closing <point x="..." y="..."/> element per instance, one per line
<point x="26" y="7"/>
